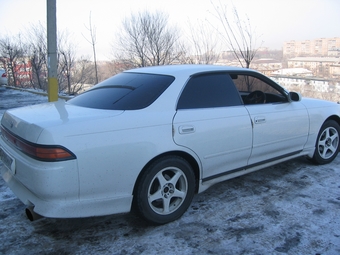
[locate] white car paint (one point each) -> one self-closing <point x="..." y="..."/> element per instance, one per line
<point x="112" y="147"/>
<point x="279" y="129"/>
<point x="213" y="137"/>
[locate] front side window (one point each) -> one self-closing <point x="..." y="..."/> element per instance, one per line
<point x="124" y="91"/>
<point x="209" y="90"/>
<point x="254" y="90"/>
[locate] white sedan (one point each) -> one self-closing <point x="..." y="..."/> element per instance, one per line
<point x="3" y="77"/>
<point x="148" y="139"/>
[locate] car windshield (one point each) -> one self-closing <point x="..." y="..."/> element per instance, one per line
<point x="124" y="91"/>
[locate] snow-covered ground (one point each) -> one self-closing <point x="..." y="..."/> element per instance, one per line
<point x="290" y="208"/>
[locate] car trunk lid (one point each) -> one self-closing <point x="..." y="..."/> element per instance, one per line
<point x="30" y="121"/>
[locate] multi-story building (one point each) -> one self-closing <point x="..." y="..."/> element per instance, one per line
<point x="320" y="66"/>
<point x="266" y="65"/>
<point x="328" y="89"/>
<point x="334" y="70"/>
<point x="317" y="47"/>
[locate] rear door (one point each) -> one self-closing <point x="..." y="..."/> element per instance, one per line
<point x="212" y="121"/>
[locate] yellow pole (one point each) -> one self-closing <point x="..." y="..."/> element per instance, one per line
<point x="52" y="88"/>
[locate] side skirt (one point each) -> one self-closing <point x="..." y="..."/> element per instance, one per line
<point x="211" y="180"/>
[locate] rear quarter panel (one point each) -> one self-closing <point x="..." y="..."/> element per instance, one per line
<point x="111" y="152"/>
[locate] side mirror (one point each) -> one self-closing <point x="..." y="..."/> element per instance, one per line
<point x="295" y="97"/>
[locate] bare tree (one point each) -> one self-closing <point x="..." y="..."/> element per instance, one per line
<point x="73" y="73"/>
<point x="93" y="41"/>
<point x="205" y="44"/>
<point x="148" y="40"/>
<point x="82" y="74"/>
<point x="11" y="52"/>
<point x="37" y="52"/>
<point x="66" y="60"/>
<point x="24" y="57"/>
<point x="239" y="36"/>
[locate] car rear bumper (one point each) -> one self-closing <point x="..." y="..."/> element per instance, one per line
<point x="60" y="208"/>
<point x="52" y="188"/>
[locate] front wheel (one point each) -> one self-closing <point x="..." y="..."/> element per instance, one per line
<point x="327" y="143"/>
<point x="165" y="190"/>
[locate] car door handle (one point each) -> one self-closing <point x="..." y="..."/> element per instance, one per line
<point x="186" y="129"/>
<point x="259" y="119"/>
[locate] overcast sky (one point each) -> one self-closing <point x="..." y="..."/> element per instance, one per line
<point x="275" y="21"/>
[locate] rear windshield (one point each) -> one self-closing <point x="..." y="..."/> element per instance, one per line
<point x="124" y="91"/>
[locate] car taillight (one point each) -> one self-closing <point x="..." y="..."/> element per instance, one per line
<point x="37" y="151"/>
<point x="4" y="75"/>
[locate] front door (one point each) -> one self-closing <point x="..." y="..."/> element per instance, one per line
<point x="278" y="130"/>
<point x="280" y="127"/>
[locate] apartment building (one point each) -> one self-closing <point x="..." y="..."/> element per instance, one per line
<point x="317" y="47"/>
<point x="320" y="66"/>
<point x="328" y="89"/>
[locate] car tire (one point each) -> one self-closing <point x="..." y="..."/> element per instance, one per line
<point x="327" y="143"/>
<point x="165" y="190"/>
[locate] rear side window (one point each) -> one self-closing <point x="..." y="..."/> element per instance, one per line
<point x="209" y="90"/>
<point x="124" y="91"/>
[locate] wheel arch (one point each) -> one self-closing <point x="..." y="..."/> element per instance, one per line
<point x="186" y="156"/>
<point x="318" y="157"/>
<point x="333" y="117"/>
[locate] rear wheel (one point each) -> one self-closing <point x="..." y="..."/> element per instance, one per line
<point x="327" y="143"/>
<point x="165" y="190"/>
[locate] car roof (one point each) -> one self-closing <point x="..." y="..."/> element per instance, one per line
<point x="186" y="69"/>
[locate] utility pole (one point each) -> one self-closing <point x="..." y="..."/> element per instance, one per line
<point x="52" y="66"/>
